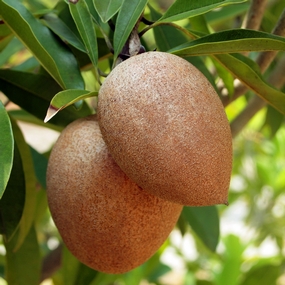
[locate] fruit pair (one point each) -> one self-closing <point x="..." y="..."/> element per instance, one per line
<point x="170" y="145"/>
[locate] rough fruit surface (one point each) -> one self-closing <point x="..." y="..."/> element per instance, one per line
<point x="166" y="128"/>
<point x="105" y="220"/>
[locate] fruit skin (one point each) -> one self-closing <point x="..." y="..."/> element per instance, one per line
<point x="105" y="220"/>
<point x="166" y="128"/>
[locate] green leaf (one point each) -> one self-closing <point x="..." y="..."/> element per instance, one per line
<point x="66" y="98"/>
<point x="33" y="92"/>
<point x="232" y="41"/>
<point x="273" y="120"/>
<point x="227" y="13"/>
<point x="40" y="162"/>
<point x="166" y="37"/>
<point x="83" y="20"/>
<point x="182" y="9"/>
<point x="226" y="76"/>
<point x="248" y="72"/>
<point x="24" y="116"/>
<point x="23" y="265"/>
<point x="53" y="55"/>
<point x="13" y="47"/>
<point x="128" y="16"/>
<point x="13" y="200"/>
<point x="6" y="148"/>
<point x="263" y="275"/>
<point x="232" y="261"/>
<point x="30" y="185"/>
<point x="62" y="30"/>
<point x="107" y="9"/>
<point x="205" y="223"/>
<point x="85" y="274"/>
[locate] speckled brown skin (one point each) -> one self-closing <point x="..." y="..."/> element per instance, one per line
<point x="166" y="128"/>
<point x="106" y="221"/>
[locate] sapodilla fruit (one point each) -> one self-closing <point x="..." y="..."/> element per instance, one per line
<point x="107" y="221"/>
<point x="166" y="128"/>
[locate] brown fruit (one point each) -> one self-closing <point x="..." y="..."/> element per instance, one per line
<point x="105" y="220"/>
<point x="166" y="128"/>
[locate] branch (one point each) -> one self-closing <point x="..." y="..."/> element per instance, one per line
<point x="255" y="14"/>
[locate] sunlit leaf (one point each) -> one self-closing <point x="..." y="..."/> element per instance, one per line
<point x="6" y="148"/>
<point x="205" y="223"/>
<point x="66" y="98"/>
<point x="230" y="271"/>
<point x="263" y="275"/>
<point x="63" y="31"/>
<point x="248" y="72"/>
<point x="226" y="76"/>
<point x="23" y="266"/>
<point x="128" y="16"/>
<point x="13" y="47"/>
<point x="83" y="20"/>
<point x="107" y="9"/>
<point x="13" y="200"/>
<point x="273" y="120"/>
<point x="182" y="9"/>
<point x="232" y="41"/>
<point x="54" y="56"/>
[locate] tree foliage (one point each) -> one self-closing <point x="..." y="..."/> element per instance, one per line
<point x="54" y="56"/>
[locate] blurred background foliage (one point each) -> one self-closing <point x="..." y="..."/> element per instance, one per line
<point x="239" y="244"/>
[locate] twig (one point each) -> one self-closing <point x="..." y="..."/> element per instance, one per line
<point x="265" y="58"/>
<point x="255" y="14"/>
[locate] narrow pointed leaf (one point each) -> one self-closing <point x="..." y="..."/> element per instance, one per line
<point x="40" y="162"/>
<point x="13" y="47"/>
<point x="53" y="55"/>
<point x="128" y="16"/>
<point x="33" y="92"/>
<point x="182" y="9"/>
<point x="30" y="185"/>
<point x="24" y="116"/>
<point x="107" y="9"/>
<point x="13" y="201"/>
<point x="248" y="72"/>
<point x="23" y="265"/>
<point x="6" y="148"/>
<point x="232" y="41"/>
<point x="83" y="20"/>
<point x="62" y="30"/>
<point x="64" y="99"/>
<point x="205" y="222"/>
<point x="166" y="37"/>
